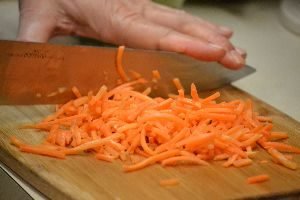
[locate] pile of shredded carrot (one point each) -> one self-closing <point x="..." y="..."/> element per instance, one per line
<point x="122" y="123"/>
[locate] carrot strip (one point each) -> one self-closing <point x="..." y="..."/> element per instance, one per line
<point x="156" y="74"/>
<point x="264" y="119"/>
<point x="197" y="141"/>
<point x="198" y="115"/>
<point x="278" y="136"/>
<point x="134" y="144"/>
<point x="178" y="84"/>
<point x="102" y="91"/>
<point x="57" y="121"/>
<point x="92" y="144"/>
<point x="179" y="136"/>
<point x="211" y="97"/>
<point x="282" y="147"/>
<point x="194" y="92"/>
<point x="242" y="162"/>
<point x="16" y="142"/>
<point x="104" y="157"/>
<point x="258" y="179"/>
<point x="76" y="92"/>
<point x="183" y="159"/>
<point x="42" y="151"/>
<point x="230" y="161"/>
<point x="163" y="116"/>
<point x="151" y="160"/>
<point x="127" y="127"/>
<point x="144" y="143"/>
<point x="221" y="157"/>
<point x="147" y="91"/>
<point x="251" y="140"/>
<point x="282" y="159"/>
<point x="119" y="65"/>
<point x="263" y="161"/>
<point x="169" y="182"/>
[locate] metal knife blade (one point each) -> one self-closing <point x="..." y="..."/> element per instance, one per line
<point x="36" y="73"/>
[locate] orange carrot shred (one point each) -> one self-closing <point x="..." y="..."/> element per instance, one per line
<point x="16" y="142"/>
<point x="76" y="92"/>
<point x="104" y="157"/>
<point x="42" y="151"/>
<point x="169" y="182"/>
<point x="135" y="75"/>
<point x="151" y="160"/>
<point x="155" y="75"/>
<point x="242" y="162"/>
<point x="177" y="84"/>
<point x="258" y="179"/>
<point x="119" y="64"/>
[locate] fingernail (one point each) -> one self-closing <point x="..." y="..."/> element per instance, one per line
<point x="215" y="46"/>
<point x="242" y="52"/>
<point x="237" y="58"/>
<point x="225" y="29"/>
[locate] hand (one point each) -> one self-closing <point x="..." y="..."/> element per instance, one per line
<point x="133" y="23"/>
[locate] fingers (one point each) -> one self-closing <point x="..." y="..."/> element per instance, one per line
<point x="37" y="20"/>
<point x="140" y="33"/>
<point x="174" y="41"/>
<point x="233" y="60"/>
<point x="35" y="30"/>
<point x="242" y="52"/>
<point x="177" y="19"/>
<point x="198" y="28"/>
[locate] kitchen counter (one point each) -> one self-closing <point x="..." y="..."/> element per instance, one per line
<point x="272" y="50"/>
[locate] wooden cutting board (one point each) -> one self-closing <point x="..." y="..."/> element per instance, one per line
<point x="82" y="177"/>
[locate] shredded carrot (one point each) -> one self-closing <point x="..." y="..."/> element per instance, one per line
<point x="279" y="157"/>
<point x="278" y="136"/>
<point x="38" y="95"/>
<point x="120" y="68"/>
<point x="104" y="157"/>
<point x="169" y="182"/>
<point x="258" y="179"/>
<point x="264" y="161"/>
<point x="282" y="147"/>
<point x="151" y="160"/>
<point x="92" y="144"/>
<point x="230" y="161"/>
<point x="52" y="94"/>
<point x="242" y="162"/>
<point x="15" y="141"/>
<point x="155" y="75"/>
<point x="42" y="151"/>
<point x="61" y="90"/>
<point x="135" y="75"/>
<point x="177" y="84"/>
<point x="194" y="92"/>
<point x="76" y="92"/>
<point x="183" y="159"/>
<point x="127" y="124"/>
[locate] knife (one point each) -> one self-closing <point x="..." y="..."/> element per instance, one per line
<point x="39" y="73"/>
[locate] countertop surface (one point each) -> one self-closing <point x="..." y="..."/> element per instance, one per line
<point x="272" y="50"/>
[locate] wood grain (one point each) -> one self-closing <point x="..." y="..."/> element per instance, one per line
<point x="83" y="177"/>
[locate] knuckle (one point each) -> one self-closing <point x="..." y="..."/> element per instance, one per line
<point x="123" y="22"/>
<point x="223" y="41"/>
<point x="188" y="27"/>
<point x="161" y="44"/>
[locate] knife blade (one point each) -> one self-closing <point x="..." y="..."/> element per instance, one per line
<point x="39" y="73"/>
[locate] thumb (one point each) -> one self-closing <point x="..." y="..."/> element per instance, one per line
<point x="35" y="28"/>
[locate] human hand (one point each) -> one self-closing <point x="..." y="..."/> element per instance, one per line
<point x="133" y="23"/>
